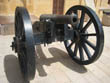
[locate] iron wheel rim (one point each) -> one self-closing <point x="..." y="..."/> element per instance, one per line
<point x="25" y="47"/>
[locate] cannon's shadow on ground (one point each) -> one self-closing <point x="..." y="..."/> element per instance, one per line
<point x="58" y="56"/>
<point x="12" y="69"/>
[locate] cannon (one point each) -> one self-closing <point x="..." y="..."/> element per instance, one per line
<point x="80" y="29"/>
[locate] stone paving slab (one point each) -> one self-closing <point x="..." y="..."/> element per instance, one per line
<point x="54" y="65"/>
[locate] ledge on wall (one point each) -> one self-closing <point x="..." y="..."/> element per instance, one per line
<point x="7" y="24"/>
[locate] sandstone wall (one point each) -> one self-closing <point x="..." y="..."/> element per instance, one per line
<point x="37" y="7"/>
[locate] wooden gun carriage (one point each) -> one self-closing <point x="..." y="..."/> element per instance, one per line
<point x="80" y="29"/>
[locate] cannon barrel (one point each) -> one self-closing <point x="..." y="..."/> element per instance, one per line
<point x="61" y="19"/>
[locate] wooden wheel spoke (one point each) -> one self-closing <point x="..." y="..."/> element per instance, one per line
<point x="86" y="34"/>
<point x="82" y="20"/>
<point x="71" y="44"/>
<point x="87" y="25"/>
<point x="75" y="49"/>
<point x="81" y="53"/>
<point x="90" y="44"/>
<point x="87" y="51"/>
<point x="70" y="12"/>
<point x="76" y="12"/>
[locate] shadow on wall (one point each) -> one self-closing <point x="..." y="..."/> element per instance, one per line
<point x="12" y="69"/>
<point x="58" y="56"/>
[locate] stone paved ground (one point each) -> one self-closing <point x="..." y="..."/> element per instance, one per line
<point x="54" y="65"/>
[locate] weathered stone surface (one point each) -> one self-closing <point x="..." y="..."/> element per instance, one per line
<point x="7" y="24"/>
<point x="54" y="65"/>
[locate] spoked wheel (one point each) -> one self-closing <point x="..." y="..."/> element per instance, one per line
<point x="24" y="43"/>
<point x="88" y="43"/>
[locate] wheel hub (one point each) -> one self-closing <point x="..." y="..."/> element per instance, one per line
<point x="77" y="35"/>
<point x="16" y="44"/>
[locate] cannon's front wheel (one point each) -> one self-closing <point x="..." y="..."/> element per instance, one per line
<point x="88" y="43"/>
<point x="24" y="43"/>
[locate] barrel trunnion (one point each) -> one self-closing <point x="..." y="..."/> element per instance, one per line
<point x="80" y="29"/>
